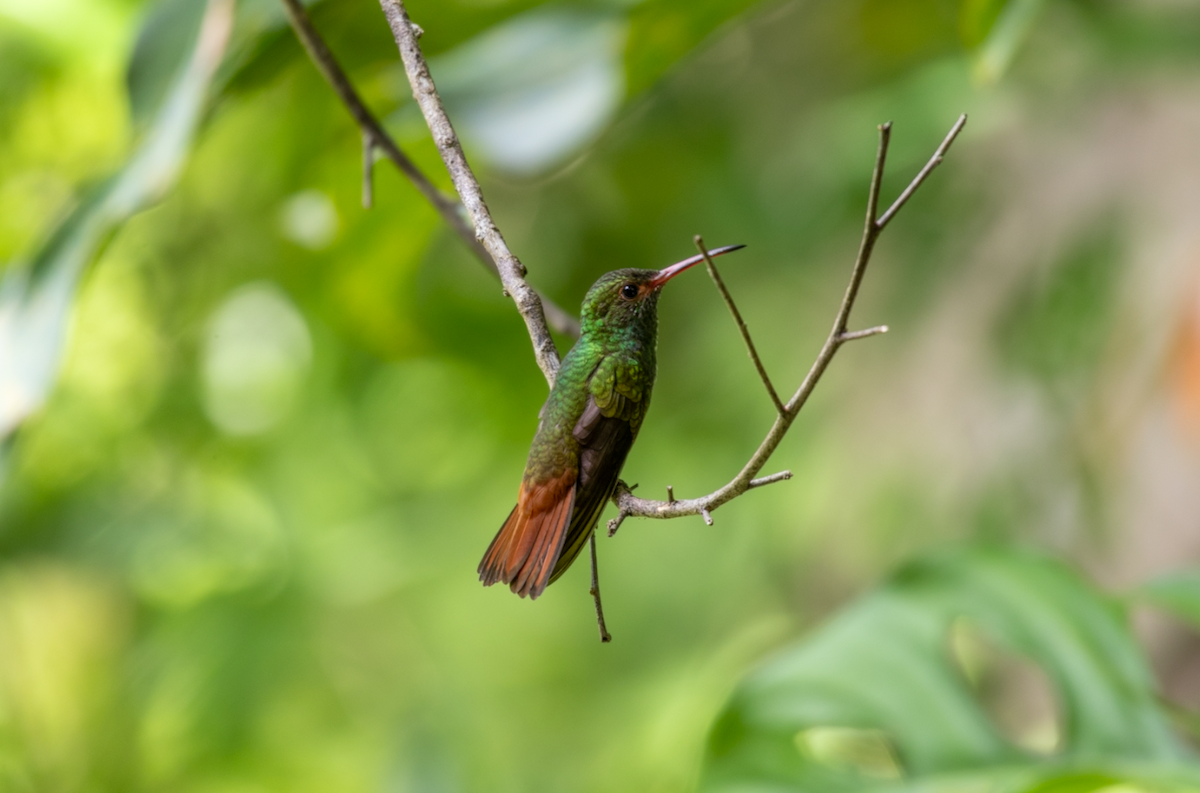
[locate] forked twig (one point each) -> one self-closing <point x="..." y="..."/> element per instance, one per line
<point x="630" y="505"/>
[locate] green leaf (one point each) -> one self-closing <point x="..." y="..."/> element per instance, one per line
<point x="994" y="29"/>
<point x="885" y="665"/>
<point x="35" y="299"/>
<point x="1178" y="593"/>
<point x="976" y="19"/>
<point x="664" y="31"/>
<point x="530" y="92"/>
<point x="161" y="51"/>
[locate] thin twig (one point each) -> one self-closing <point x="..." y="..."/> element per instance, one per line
<point x="605" y="636"/>
<point x="451" y="211"/>
<point x="782" y="476"/>
<point x="368" y="170"/>
<point x="851" y="335"/>
<point x="512" y="272"/>
<point x="737" y="317"/>
<point x="629" y="505"/>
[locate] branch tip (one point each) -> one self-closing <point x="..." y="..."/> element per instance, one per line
<point x="715" y="275"/>
<point x="605" y="636"/>
<point x="934" y="161"/>
<point x="862" y="334"/>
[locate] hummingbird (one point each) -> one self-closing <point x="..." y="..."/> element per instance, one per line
<point x="585" y="430"/>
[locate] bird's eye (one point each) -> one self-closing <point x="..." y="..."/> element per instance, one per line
<point x="629" y="291"/>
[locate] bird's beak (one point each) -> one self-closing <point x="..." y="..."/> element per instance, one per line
<point x="667" y="273"/>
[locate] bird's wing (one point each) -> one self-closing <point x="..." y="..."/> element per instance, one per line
<point x="617" y="402"/>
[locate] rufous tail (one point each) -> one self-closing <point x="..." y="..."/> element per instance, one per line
<point x="528" y="545"/>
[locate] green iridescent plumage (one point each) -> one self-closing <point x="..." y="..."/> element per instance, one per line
<point x="585" y="431"/>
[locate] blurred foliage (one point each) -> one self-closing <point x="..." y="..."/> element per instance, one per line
<point x="1054" y="328"/>
<point x="35" y="300"/>
<point x="240" y="518"/>
<point x="889" y="669"/>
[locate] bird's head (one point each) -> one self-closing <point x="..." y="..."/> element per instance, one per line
<point x="629" y="297"/>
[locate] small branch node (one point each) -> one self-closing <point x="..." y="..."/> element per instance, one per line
<point x="417" y="30"/>
<point x="670" y="495"/>
<point x="704" y="513"/>
<point x="851" y="335"/>
<point x="622" y="492"/>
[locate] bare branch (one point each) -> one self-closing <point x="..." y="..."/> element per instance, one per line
<point x="630" y="505"/>
<point x="605" y="636"/>
<point x="451" y="211"/>
<point x="512" y="272"/>
<point x="737" y="317"/>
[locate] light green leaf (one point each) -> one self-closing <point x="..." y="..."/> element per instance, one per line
<point x="161" y="51"/>
<point x="532" y="90"/>
<point x="36" y="298"/>
<point x="1178" y="593"/>
<point x="999" y="28"/>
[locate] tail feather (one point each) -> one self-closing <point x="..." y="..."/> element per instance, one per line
<point x="525" y="550"/>
<point x="492" y="568"/>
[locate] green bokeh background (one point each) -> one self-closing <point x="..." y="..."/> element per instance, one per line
<point x="261" y="577"/>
